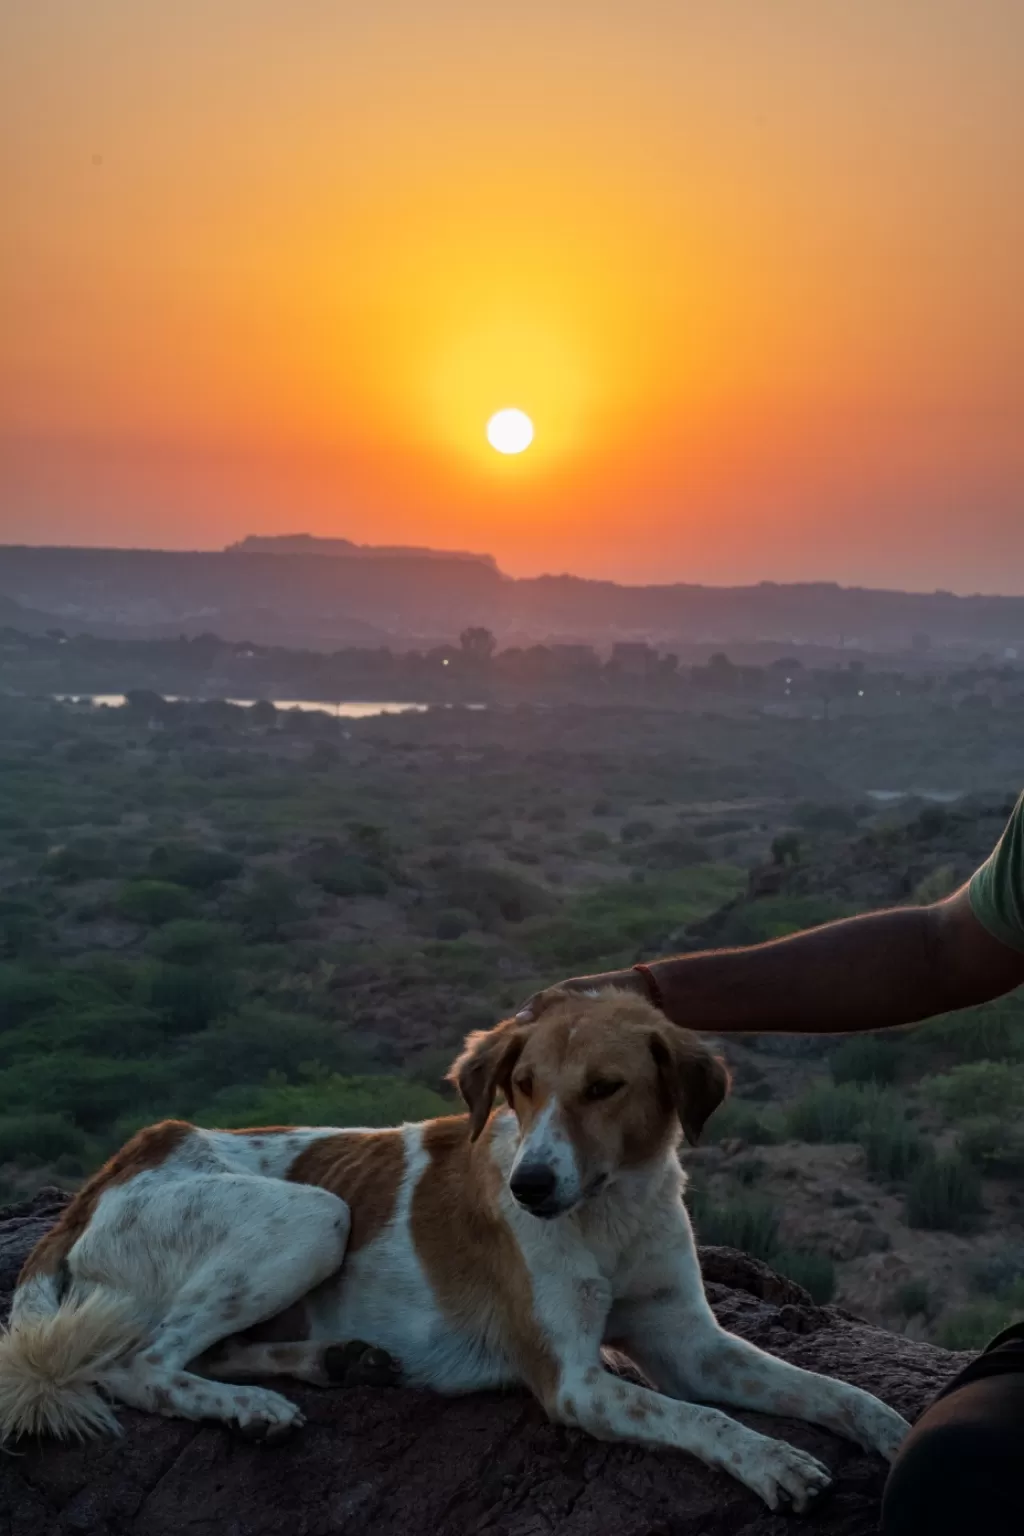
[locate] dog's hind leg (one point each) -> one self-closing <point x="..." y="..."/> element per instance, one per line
<point x="264" y="1244"/>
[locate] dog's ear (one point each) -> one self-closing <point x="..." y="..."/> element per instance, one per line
<point x="486" y="1064"/>
<point x="693" y="1079"/>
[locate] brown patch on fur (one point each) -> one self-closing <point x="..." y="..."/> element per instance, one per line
<point x="363" y="1167"/>
<point x="146" y="1149"/>
<point x="694" y="1080"/>
<point x="637" y="1412"/>
<point x="472" y="1260"/>
<point x="487" y="1064"/>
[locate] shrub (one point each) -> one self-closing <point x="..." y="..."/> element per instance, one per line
<point x="971" y="1327"/>
<point x="944" y="1194"/>
<point x="494" y="896"/>
<point x="266" y="906"/>
<point x="593" y="840"/>
<point x="994" y="1144"/>
<point x="191" y="941"/>
<point x="637" y="831"/>
<point x="1001" y="1269"/>
<point x="814" y="1271"/>
<point x="743" y="1121"/>
<point x="40" y="1139"/>
<point x="81" y="858"/>
<point x="892" y="1147"/>
<point x="200" y="869"/>
<point x="914" y="1298"/>
<point x="866" y="1059"/>
<point x="153" y="902"/>
<point x="347" y="874"/>
<point x="330" y="1100"/>
<point x="978" y="1088"/>
<point x="90" y="1091"/>
<point x="188" y="996"/>
<point x="833" y="1113"/>
<point x="747" y="1222"/>
<point x="258" y="1040"/>
<point x="452" y="924"/>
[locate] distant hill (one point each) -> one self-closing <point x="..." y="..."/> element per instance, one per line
<point x="309" y="544"/>
<point x="270" y="590"/>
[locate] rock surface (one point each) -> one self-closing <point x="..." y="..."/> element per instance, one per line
<point x="404" y="1463"/>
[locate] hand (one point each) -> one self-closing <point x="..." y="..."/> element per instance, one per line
<point x="629" y="980"/>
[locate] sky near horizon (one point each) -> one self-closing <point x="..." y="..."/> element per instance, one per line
<point x="752" y="267"/>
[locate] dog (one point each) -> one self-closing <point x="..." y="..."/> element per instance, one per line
<point x="497" y="1247"/>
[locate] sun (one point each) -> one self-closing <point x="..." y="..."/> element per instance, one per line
<point x="510" y="431"/>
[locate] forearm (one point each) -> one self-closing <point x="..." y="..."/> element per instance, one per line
<point x="862" y="973"/>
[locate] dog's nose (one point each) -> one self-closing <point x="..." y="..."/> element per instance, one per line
<point x="533" y="1184"/>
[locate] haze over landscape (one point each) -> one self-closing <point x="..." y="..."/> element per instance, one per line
<point x="752" y="271"/>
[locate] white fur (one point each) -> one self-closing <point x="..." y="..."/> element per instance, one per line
<point x="548" y="1142"/>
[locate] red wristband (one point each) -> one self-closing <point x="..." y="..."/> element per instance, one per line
<point x="650" y="981"/>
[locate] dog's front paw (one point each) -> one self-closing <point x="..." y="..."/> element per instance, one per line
<point x="783" y="1475"/>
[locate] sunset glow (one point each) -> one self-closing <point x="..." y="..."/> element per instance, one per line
<point x="753" y="271"/>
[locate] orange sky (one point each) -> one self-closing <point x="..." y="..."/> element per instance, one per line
<point x="754" y="267"/>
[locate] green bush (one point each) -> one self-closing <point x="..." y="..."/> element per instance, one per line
<point x="867" y="1059"/>
<point x="191" y="941"/>
<point x="200" y="869"/>
<point x="331" y="1100"/>
<point x="751" y="1224"/>
<point x="993" y="1032"/>
<point x="637" y="831"/>
<point x="833" y="1113"/>
<point x="1001" y="1270"/>
<point x="944" y="1194"/>
<point x="814" y="1271"/>
<point x="740" y="1120"/>
<point x="453" y="923"/>
<point x="892" y="1147"/>
<point x="993" y="1143"/>
<point x="90" y="1091"/>
<point x="258" y="1040"/>
<point x="153" y="902"/>
<point x="914" y="1298"/>
<point x="747" y="1222"/>
<point x="593" y="840"/>
<point x="41" y="1138"/>
<point x="81" y="858"/>
<point x="971" y="1327"/>
<point x="188" y="996"/>
<point x="267" y="906"/>
<point x="978" y="1088"/>
<point x="347" y="874"/>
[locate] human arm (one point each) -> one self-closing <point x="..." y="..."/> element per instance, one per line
<point x="861" y="973"/>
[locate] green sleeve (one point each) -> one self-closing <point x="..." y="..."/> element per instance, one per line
<point x="997" y="889"/>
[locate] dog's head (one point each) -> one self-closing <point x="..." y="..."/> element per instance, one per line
<point x="598" y="1085"/>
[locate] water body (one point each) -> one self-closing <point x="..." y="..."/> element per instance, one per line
<point x="359" y="709"/>
<point x="936" y="796"/>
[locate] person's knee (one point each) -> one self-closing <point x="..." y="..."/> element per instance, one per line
<point x="952" y="1476"/>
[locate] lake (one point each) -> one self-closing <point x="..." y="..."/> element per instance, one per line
<point x="358" y="710"/>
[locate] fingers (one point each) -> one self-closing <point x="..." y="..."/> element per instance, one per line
<point x="588" y="986"/>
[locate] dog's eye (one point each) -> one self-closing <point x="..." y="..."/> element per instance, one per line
<point x="603" y="1088"/>
<point x="524" y="1085"/>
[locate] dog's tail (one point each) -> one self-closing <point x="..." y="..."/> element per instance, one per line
<point x="53" y="1360"/>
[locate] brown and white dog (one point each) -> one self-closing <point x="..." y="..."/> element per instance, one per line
<point x="479" y="1251"/>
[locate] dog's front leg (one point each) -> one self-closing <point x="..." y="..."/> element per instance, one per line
<point x="565" y="1370"/>
<point x="589" y="1397"/>
<point x="679" y="1345"/>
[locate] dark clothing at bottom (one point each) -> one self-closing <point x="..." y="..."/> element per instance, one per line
<point x="961" y="1468"/>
